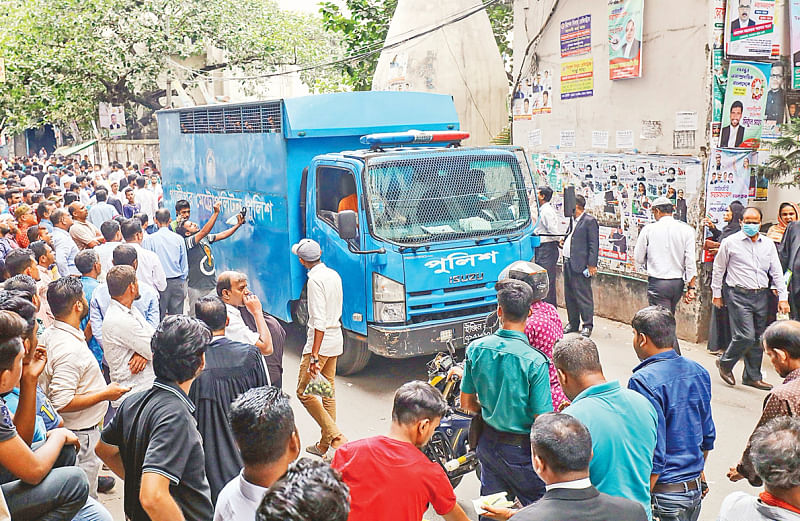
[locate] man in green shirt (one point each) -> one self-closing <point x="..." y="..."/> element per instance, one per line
<point x="508" y="382"/>
<point x="622" y="422"/>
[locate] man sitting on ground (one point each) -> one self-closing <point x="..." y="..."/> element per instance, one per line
<point x="231" y="369"/>
<point x="390" y="478"/>
<point x="263" y="427"/>
<point x="562" y="448"/>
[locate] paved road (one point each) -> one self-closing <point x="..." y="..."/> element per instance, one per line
<point x="364" y="409"/>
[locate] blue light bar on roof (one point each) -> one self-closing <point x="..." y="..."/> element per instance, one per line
<point x="414" y="137"/>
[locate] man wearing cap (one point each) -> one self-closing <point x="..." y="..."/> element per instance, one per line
<point x="324" y="343"/>
<point x="666" y="250"/>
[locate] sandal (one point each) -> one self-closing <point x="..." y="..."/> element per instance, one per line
<point x="316" y="451"/>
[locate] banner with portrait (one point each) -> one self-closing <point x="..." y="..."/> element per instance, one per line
<point x="112" y="118"/>
<point x="727" y="180"/>
<point x="745" y="103"/>
<point x="794" y="35"/>
<point x="625" y="38"/>
<point x="750" y="28"/>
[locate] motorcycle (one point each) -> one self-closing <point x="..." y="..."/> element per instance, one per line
<point x="449" y="445"/>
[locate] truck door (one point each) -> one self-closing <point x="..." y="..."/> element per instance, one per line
<point x="334" y="187"/>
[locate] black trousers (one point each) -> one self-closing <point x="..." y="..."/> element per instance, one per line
<point x="747" y="311"/>
<point x="171" y="299"/>
<point x="665" y="293"/>
<point x="547" y="257"/>
<point x="578" y="297"/>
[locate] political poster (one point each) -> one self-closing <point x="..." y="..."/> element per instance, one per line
<point x="112" y="118"/>
<point x="794" y="35"/>
<point x="619" y="191"/>
<point x="533" y="96"/>
<point x="576" y="36"/>
<point x="750" y="28"/>
<point x="745" y="102"/>
<point x="718" y="70"/>
<point x="727" y="180"/>
<point x="577" y="79"/>
<point x="625" y="38"/>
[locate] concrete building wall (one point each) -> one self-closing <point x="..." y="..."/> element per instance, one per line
<point x="461" y="59"/>
<point x="675" y="78"/>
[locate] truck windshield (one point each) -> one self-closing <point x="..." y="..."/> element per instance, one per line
<point x="450" y="195"/>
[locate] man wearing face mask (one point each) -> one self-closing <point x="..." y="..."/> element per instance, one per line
<point x="750" y="267"/>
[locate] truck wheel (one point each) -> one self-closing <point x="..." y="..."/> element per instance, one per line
<point x="355" y="357"/>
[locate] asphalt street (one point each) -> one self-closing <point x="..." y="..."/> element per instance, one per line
<point x="364" y="404"/>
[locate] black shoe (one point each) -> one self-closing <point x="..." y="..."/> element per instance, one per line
<point x="759" y="384"/>
<point x="725" y="374"/>
<point x="569" y="329"/>
<point x="105" y="484"/>
<point x="586" y="331"/>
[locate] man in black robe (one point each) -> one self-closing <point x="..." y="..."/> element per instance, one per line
<point x="231" y="369"/>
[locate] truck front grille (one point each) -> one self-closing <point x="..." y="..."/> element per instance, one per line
<point x="451" y="302"/>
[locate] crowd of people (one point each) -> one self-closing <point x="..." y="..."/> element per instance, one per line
<point x="121" y="345"/>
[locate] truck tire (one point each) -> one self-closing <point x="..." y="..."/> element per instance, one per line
<point x="355" y="357"/>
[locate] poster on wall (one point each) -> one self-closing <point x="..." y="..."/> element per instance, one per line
<point x="745" y="102"/>
<point x="625" y="38"/>
<point x="750" y="28"/>
<point x="727" y="180"/>
<point x="576" y="36"/>
<point x="794" y="35"/>
<point x="112" y="118"/>
<point x="718" y="70"/>
<point x="577" y="79"/>
<point x="533" y="96"/>
<point x="619" y="190"/>
<point x="775" y="106"/>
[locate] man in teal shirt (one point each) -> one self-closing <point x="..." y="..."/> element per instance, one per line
<point x="508" y="382"/>
<point x="623" y="423"/>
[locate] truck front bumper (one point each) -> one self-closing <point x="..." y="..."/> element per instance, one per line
<point x="409" y="340"/>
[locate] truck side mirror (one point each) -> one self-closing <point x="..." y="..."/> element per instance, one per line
<point x="347" y="223"/>
<point x="569" y="201"/>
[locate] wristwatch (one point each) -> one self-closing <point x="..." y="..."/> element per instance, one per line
<point x="690" y="288"/>
<point x="313" y="360"/>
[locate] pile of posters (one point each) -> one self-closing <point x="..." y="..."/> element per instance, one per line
<point x="619" y="190"/>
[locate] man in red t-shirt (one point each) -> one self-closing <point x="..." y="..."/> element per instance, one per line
<point x="390" y="479"/>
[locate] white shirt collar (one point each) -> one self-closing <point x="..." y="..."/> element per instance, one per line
<point x="63" y="326"/>
<point x="576" y="484"/>
<point x="250" y="491"/>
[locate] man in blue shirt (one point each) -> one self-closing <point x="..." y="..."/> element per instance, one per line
<point x="622" y="422"/>
<point x="171" y="250"/>
<point x="101" y="211"/>
<point x="88" y="263"/>
<point x="508" y="382"/>
<point x="680" y="391"/>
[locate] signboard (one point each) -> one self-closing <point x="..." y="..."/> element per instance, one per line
<point x="727" y="180"/>
<point x="794" y="34"/>
<point x="750" y="28"/>
<point x="576" y="36"/>
<point x="577" y="79"/>
<point x="625" y="38"/>
<point x="745" y="101"/>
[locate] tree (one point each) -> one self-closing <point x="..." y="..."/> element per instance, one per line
<point x="783" y="165"/>
<point x="63" y="57"/>
<point x="364" y="24"/>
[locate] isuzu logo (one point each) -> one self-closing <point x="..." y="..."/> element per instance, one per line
<point x="445" y="264"/>
<point x="469" y="277"/>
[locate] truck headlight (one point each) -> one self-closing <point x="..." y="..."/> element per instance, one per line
<point x="389" y="299"/>
<point x="387" y="312"/>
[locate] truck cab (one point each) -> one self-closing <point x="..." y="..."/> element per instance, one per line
<point x="417" y="226"/>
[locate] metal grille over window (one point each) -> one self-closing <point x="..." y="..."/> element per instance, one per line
<point x="249" y="119"/>
<point x="469" y="194"/>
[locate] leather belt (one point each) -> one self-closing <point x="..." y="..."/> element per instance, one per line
<point x="740" y="289"/>
<point x="507" y="438"/>
<point x="667" y="488"/>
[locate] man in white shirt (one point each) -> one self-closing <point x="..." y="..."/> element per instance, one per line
<point x="72" y="378"/>
<point x="548" y="228"/>
<point x="126" y="334"/>
<point x="64" y="246"/>
<point x="149" y="269"/>
<point x="146" y="199"/>
<point x="263" y="426"/>
<point x="232" y="289"/>
<point x="666" y="250"/>
<point x="324" y="344"/>
<point x="105" y="251"/>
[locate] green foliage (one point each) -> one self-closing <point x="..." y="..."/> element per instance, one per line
<point x="363" y="26"/>
<point x="63" y="57"/>
<point x="783" y="165"/>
